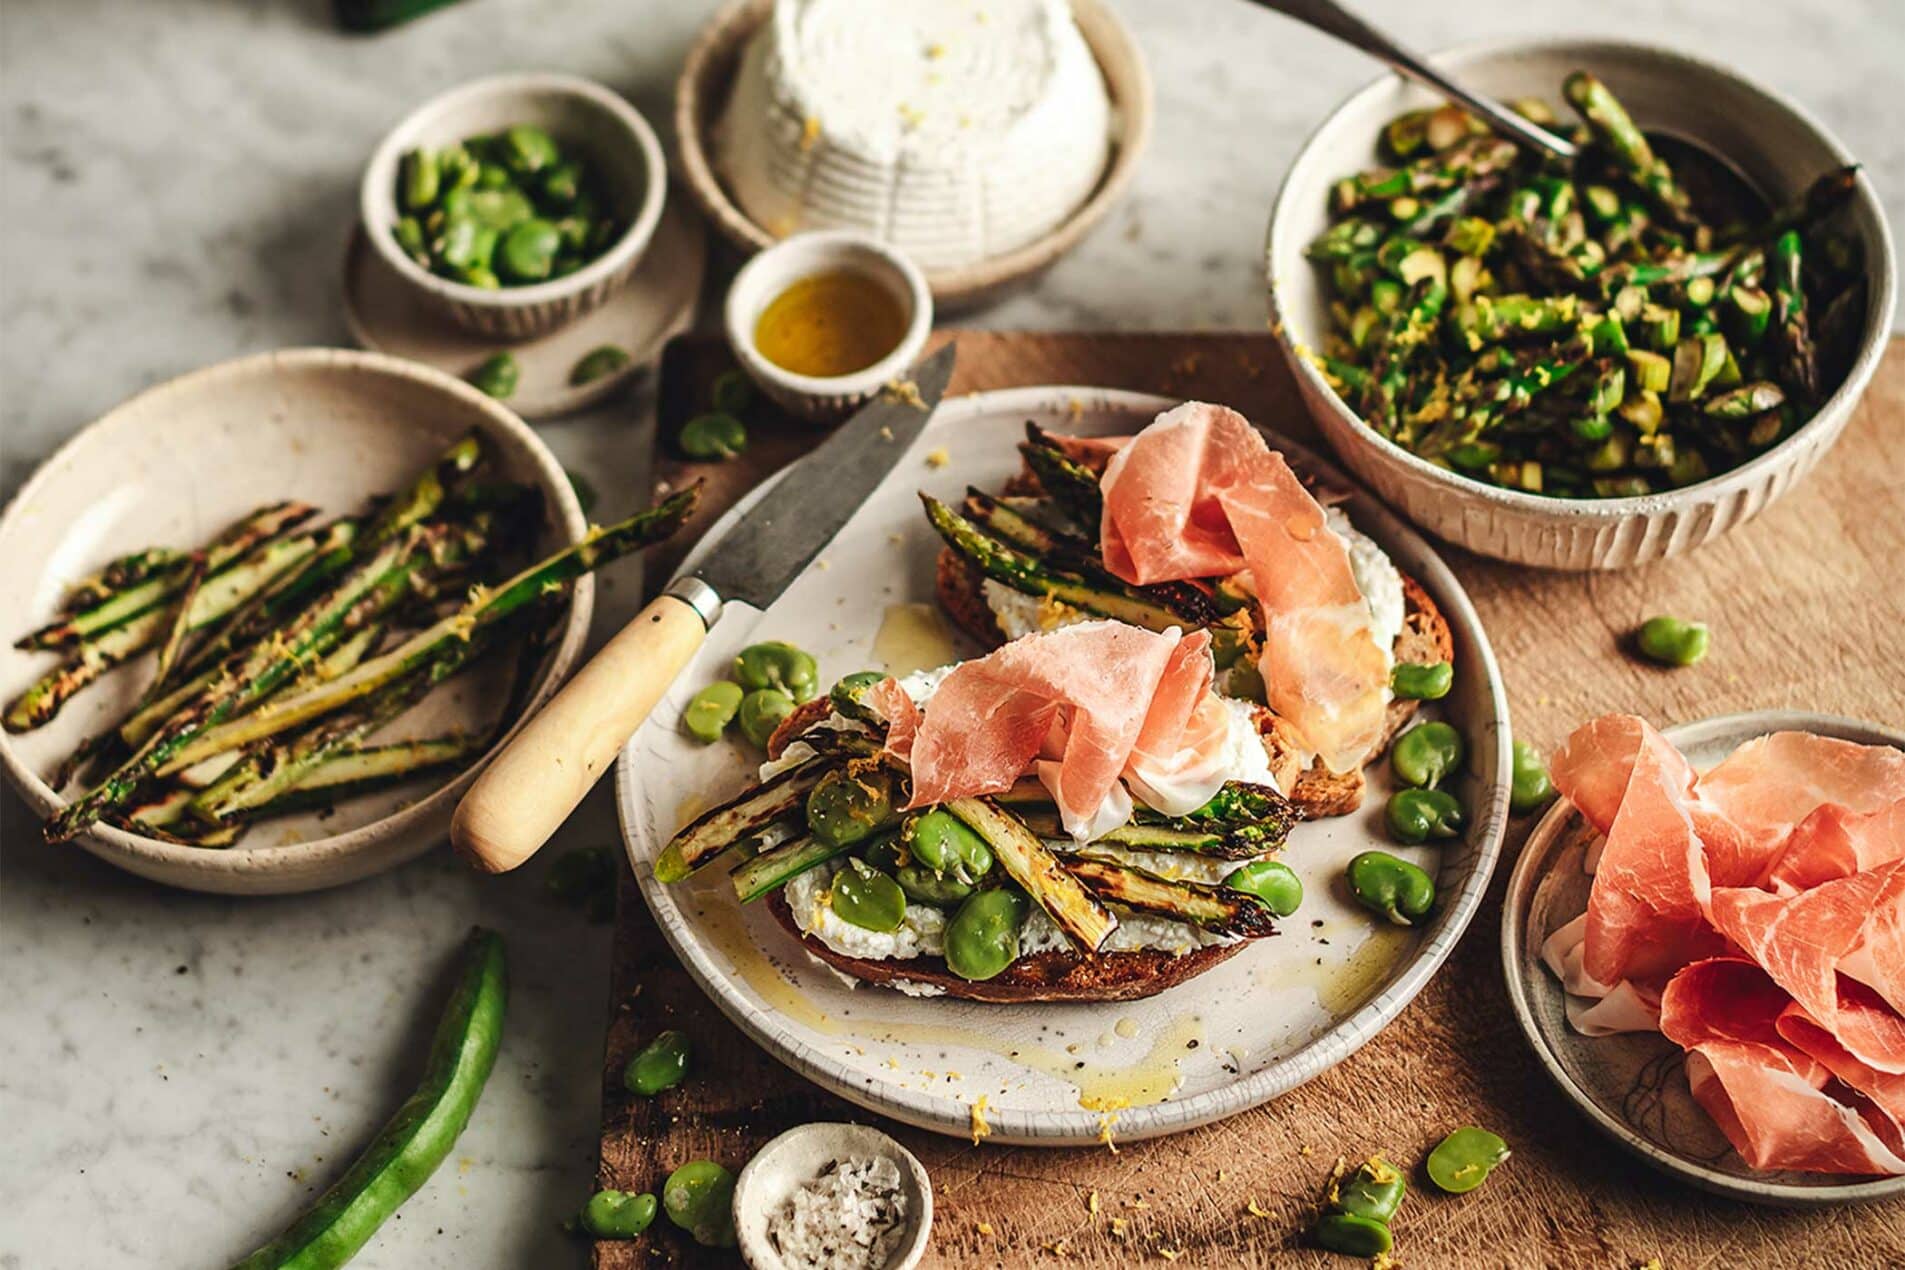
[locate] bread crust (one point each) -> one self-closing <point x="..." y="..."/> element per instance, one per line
<point x="1043" y="976"/>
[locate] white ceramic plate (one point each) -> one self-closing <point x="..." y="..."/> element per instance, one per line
<point x="1633" y="1086"/>
<point x="383" y="312"/>
<point x="1261" y="1023"/>
<point x="180" y="462"/>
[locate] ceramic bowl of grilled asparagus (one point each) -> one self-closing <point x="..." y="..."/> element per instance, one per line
<point x="268" y="617"/>
<point x="1590" y="363"/>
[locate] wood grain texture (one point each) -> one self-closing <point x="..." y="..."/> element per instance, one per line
<point x="1807" y="606"/>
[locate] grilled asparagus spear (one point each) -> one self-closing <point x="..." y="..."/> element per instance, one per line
<point x="484" y="608"/>
<point x="1219" y="910"/>
<point x="122" y="606"/>
<point x="217" y="596"/>
<point x="1028" y="862"/>
<point x="1028" y="574"/>
<point x="715" y="830"/>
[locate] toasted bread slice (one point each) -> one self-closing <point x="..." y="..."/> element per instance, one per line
<point x="1044" y="976"/>
<point x="1425" y="637"/>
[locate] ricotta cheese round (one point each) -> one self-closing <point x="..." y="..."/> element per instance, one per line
<point x="953" y="130"/>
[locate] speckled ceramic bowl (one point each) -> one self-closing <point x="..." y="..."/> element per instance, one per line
<point x="1773" y="141"/>
<point x="1633" y="1085"/>
<point x="795" y="1158"/>
<point x="178" y="463"/>
<point x="577" y="112"/>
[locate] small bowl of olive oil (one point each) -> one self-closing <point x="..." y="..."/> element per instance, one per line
<point x="822" y="321"/>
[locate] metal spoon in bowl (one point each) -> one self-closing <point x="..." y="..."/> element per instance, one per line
<point x="1332" y="19"/>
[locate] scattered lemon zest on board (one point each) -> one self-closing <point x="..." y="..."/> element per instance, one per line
<point x="1257" y="1210"/>
<point x="1091" y="1203"/>
<point x="984" y="1228"/>
<point x="980" y="1129"/>
<point x="1169" y="1254"/>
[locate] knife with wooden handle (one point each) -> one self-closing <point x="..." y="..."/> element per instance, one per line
<point x="530" y="788"/>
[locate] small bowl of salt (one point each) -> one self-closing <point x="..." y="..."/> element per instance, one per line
<point x="833" y="1197"/>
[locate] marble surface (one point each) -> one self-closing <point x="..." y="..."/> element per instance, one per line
<point x="179" y="1074"/>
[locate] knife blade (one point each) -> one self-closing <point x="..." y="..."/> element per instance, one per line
<point x="779" y="537"/>
<point x="551" y="761"/>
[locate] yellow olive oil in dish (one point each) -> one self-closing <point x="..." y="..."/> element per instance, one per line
<point x="830" y="324"/>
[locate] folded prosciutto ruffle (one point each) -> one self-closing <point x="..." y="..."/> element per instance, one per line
<point x="1769" y="1096"/>
<point x="1198" y="494"/>
<point x="1763" y="906"/>
<point x="1085" y="707"/>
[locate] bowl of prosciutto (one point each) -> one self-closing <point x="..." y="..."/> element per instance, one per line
<point x="1704" y="941"/>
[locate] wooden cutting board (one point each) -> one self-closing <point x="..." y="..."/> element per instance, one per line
<point x="1807" y="608"/>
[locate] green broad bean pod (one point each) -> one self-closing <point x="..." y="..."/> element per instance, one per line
<point x="1272" y="881"/>
<point x="1424" y="755"/>
<point x="774" y="664"/>
<point x="618" y="1214"/>
<point x="982" y="938"/>
<point x="699" y="1198"/>
<point x="1417" y="815"/>
<point x="660" y="1064"/>
<point x="711" y="710"/>
<point x="1671" y="641"/>
<point x="1393" y="887"/>
<point x="1422" y="681"/>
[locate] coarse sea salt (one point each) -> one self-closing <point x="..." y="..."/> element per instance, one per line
<point x="851" y="1217"/>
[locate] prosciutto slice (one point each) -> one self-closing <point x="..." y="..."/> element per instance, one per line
<point x="1754" y="799"/>
<point x="1833" y="843"/>
<point x="1198" y="494"/>
<point x="1762" y="907"/>
<point x="1083" y="707"/>
<point x="1801" y="940"/>
<point x="1767" y="1095"/>
<point x="1646" y="912"/>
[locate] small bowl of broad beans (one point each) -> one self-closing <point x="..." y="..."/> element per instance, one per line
<point x="1586" y="362"/>
<point x="516" y="203"/>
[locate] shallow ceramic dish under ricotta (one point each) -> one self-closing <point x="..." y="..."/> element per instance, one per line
<point x="1277" y="1014"/>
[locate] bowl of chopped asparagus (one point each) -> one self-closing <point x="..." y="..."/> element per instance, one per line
<point x="271" y="615"/>
<point x="1587" y="363"/>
